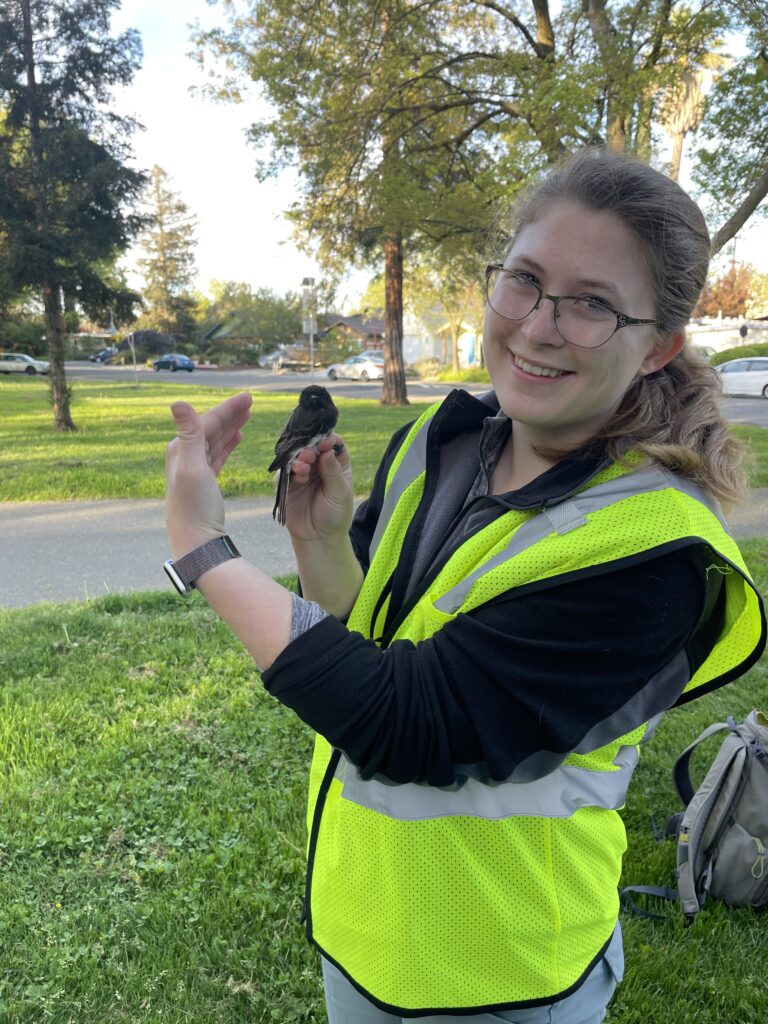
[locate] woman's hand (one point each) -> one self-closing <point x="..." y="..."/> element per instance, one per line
<point x="194" y="507"/>
<point x="319" y="504"/>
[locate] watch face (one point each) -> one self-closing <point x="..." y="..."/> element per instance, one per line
<point x="175" y="579"/>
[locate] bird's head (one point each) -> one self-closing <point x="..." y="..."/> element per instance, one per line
<point x="314" y="397"/>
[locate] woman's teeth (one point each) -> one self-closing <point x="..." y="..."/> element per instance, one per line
<point x="537" y="371"/>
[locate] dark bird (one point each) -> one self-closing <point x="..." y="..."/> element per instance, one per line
<point x="313" y="419"/>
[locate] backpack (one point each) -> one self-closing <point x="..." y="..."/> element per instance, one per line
<point x="722" y="835"/>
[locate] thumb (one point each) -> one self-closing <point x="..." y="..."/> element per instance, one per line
<point x="330" y="469"/>
<point x="188" y="426"/>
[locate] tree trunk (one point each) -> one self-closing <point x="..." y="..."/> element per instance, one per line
<point x="393" y="391"/>
<point x="61" y="392"/>
<point x="605" y="37"/>
<point x="643" y="137"/>
<point x="455" y="348"/>
<point x="677" y="155"/>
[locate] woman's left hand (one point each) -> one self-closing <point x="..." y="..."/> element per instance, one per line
<point x="194" y="506"/>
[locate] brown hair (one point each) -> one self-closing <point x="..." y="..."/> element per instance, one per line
<point x="673" y="414"/>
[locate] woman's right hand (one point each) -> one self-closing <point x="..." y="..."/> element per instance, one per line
<point x="319" y="504"/>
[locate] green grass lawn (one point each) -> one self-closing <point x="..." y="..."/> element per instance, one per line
<point x="118" y="450"/>
<point x="152" y="833"/>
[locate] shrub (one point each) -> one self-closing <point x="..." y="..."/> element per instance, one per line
<point x="742" y="352"/>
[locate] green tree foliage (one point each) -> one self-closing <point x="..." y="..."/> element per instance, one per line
<point x="411" y="122"/>
<point x="733" y="160"/>
<point x="66" y="205"/>
<point x="238" y="320"/>
<point x="378" y="186"/>
<point x="169" y="261"/>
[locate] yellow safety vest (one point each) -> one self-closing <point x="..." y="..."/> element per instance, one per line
<point x="489" y="894"/>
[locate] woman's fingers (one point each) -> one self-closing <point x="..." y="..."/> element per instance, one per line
<point x="222" y="426"/>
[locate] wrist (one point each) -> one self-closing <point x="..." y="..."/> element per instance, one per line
<point x="183" y="542"/>
<point x="184" y="572"/>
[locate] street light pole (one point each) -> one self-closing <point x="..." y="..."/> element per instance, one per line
<point x="307" y="303"/>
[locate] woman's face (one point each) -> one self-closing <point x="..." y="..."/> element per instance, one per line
<point x="571" y="250"/>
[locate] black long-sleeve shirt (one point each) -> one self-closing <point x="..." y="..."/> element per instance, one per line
<point x="512" y="686"/>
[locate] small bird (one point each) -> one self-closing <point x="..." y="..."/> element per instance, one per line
<point x="313" y="419"/>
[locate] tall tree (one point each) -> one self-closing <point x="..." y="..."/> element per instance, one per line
<point x="408" y="119"/>
<point x="66" y="207"/>
<point x="169" y="263"/>
<point x="378" y="187"/>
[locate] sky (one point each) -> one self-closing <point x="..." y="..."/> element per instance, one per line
<point x="242" y="235"/>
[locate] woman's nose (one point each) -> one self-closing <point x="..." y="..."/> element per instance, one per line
<point x="539" y="325"/>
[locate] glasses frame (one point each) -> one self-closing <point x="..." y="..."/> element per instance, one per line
<point x="622" y="319"/>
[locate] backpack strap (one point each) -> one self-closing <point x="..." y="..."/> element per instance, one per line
<point x="721" y="785"/>
<point x="659" y="891"/>
<point x="681" y="771"/>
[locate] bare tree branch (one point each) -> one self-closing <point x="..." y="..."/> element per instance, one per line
<point x="746" y="208"/>
<point x="538" y="49"/>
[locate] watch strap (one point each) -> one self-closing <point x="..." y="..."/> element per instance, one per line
<point x="186" y="570"/>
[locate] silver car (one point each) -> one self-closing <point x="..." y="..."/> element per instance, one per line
<point x="18" y="362"/>
<point x="358" y="368"/>
<point x="745" y="376"/>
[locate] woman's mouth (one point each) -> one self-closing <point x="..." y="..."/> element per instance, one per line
<point x="535" y="370"/>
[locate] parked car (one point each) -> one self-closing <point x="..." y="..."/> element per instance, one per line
<point x="704" y="350"/>
<point x="104" y="356"/>
<point x="174" y="361"/>
<point x="18" y="362"/>
<point x="745" y="376"/>
<point x="275" y="360"/>
<point x="358" y="368"/>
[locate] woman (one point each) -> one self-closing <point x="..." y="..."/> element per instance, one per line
<point x="537" y="576"/>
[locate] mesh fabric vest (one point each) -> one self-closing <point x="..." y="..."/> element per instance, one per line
<point x="488" y="894"/>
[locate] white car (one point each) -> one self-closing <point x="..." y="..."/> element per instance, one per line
<point x="17" y="362"/>
<point x="745" y="376"/>
<point x="358" y="368"/>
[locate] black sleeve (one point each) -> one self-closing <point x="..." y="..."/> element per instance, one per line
<point x="514" y="686"/>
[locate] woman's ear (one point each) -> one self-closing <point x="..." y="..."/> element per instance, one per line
<point x="665" y="349"/>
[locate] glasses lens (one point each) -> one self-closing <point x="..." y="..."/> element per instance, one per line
<point x="585" y="322"/>
<point x="510" y="295"/>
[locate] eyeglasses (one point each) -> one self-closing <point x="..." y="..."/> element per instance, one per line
<point x="582" y="320"/>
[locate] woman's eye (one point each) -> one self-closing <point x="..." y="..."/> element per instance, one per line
<point x="595" y="302"/>
<point x="523" y="275"/>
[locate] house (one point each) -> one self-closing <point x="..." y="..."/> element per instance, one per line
<point x="368" y="332"/>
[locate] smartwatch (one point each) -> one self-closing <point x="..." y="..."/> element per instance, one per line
<point x="191" y="567"/>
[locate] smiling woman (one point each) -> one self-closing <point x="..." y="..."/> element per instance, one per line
<point x="536" y="577"/>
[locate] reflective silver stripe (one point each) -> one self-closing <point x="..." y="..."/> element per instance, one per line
<point x="411" y="466"/>
<point x="557" y="795"/>
<point x="565" y="516"/>
<point x="601" y="496"/>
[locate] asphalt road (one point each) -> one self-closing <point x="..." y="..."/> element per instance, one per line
<point x="70" y="551"/>
<point x="74" y="551"/>
<point x="752" y="411"/>
<point x="261" y="380"/>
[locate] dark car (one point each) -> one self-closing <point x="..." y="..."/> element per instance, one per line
<point x="174" y="361"/>
<point x="104" y="356"/>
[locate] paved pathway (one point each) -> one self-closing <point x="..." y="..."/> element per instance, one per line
<point x="72" y="551"/>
